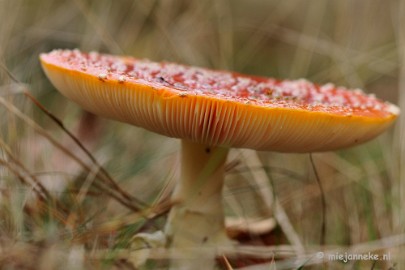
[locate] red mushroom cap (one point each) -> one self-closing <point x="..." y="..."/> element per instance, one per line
<point x="218" y="107"/>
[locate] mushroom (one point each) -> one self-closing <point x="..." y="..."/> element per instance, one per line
<point x="211" y="112"/>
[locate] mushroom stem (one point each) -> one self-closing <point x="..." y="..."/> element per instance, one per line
<point x="197" y="217"/>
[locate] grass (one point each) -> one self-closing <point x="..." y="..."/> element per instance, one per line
<point x="63" y="208"/>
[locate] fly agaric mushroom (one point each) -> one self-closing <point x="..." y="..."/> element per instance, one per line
<point x="212" y="111"/>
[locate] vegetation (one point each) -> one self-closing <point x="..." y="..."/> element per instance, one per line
<point x="75" y="188"/>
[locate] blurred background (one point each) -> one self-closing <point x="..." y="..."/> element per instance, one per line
<point x="59" y="211"/>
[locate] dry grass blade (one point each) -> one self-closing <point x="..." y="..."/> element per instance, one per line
<point x="96" y="23"/>
<point x="20" y="167"/>
<point x="44" y="133"/>
<point x="23" y="180"/>
<point x="261" y="176"/>
<point x="98" y="166"/>
<point x="399" y="218"/>
<point x="230" y="252"/>
<point x="323" y="200"/>
<point x="287" y="253"/>
<point x="226" y="262"/>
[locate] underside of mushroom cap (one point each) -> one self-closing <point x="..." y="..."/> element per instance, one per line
<point x="218" y="107"/>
